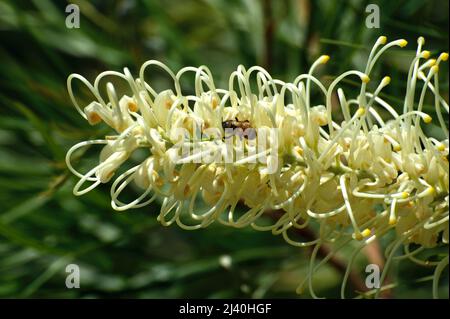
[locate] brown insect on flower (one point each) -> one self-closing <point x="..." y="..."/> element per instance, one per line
<point x="243" y="129"/>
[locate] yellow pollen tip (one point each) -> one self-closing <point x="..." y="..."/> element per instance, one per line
<point x="298" y="150"/>
<point x="421" y="40"/>
<point x="366" y="232"/>
<point x="431" y="190"/>
<point x="426" y="54"/>
<point x="361" y="111"/>
<point x="435" y="69"/>
<point x="432" y="62"/>
<point x="441" y="147"/>
<point x="365" y="78"/>
<point x="382" y="39"/>
<point x="444" y="56"/>
<point x="405" y="195"/>
<point x="324" y="59"/>
<point x="392" y="220"/>
<point x="397" y="148"/>
<point x="427" y="119"/>
<point x="386" y="80"/>
<point x="403" y="43"/>
<point x="358" y="236"/>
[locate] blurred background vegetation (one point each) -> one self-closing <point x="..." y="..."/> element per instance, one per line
<point x="43" y="227"/>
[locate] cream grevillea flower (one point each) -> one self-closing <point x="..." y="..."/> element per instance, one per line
<point x="373" y="172"/>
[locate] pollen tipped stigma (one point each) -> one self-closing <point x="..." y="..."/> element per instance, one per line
<point x="355" y="168"/>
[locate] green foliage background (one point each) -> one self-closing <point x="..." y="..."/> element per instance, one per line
<point x="43" y="227"/>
